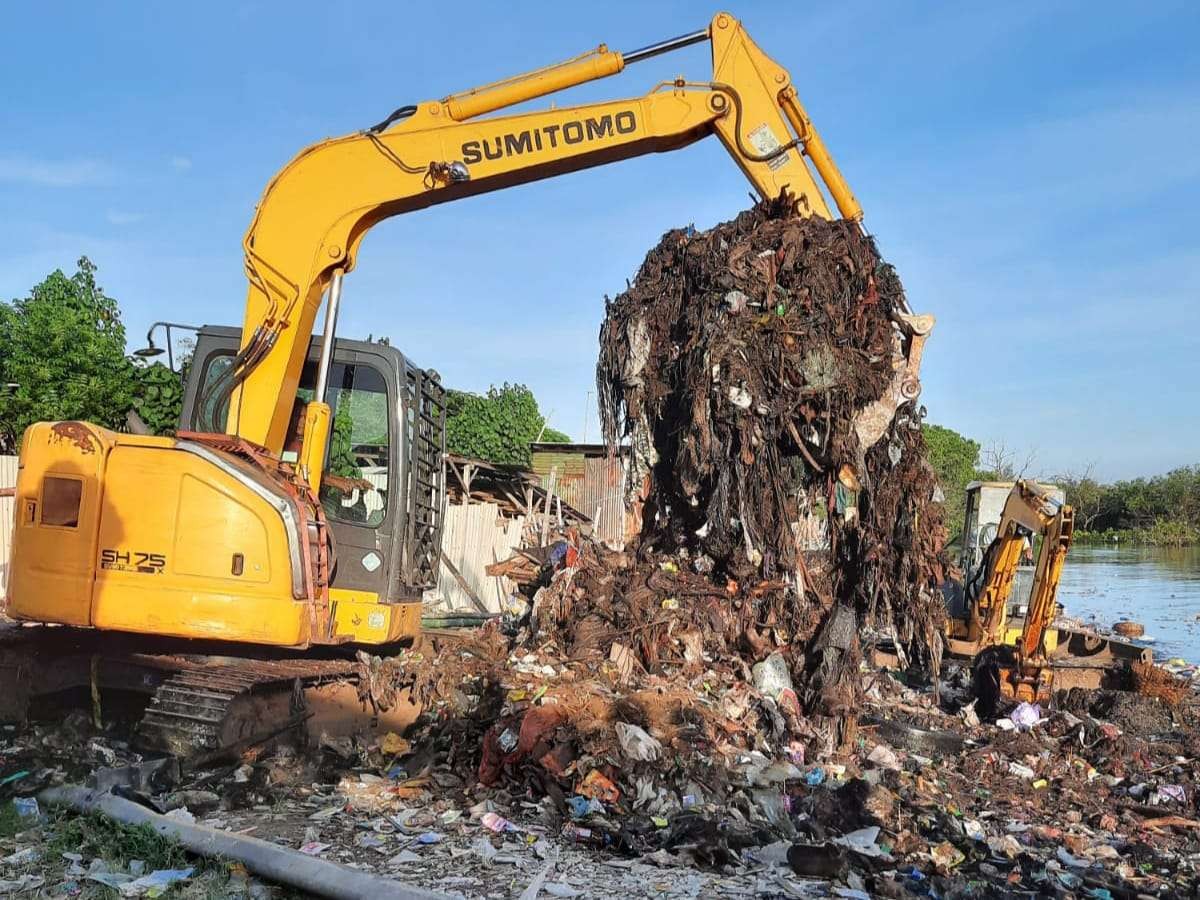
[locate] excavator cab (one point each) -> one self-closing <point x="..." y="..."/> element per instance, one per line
<point x="382" y="488"/>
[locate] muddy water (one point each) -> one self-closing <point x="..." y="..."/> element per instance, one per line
<point x="1157" y="586"/>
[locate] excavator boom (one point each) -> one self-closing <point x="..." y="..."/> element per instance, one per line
<point x="315" y="212"/>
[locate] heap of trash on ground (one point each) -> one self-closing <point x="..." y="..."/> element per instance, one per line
<point x="696" y="713"/>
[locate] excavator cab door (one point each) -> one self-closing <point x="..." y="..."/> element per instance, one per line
<point x="381" y="488"/>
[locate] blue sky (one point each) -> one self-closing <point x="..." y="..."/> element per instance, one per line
<point x="1031" y="169"/>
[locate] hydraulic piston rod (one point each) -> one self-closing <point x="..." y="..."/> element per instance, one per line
<point x="327" y="338"/>
<point x="317" y="413"/>
<point x="675" y="43"/>
<point x="599" y="63"/>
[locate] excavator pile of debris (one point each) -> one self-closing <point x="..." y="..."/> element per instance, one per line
<point x="786" y="505"/>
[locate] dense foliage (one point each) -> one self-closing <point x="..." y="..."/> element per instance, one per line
<point x="955" y="459"/>
<point x="62" y="356"/>
<point x="159" y="398"/>
<point x="497" y="426"/>
<point x="1163" y="509"/>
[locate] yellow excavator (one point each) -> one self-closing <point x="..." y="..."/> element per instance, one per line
<point x="241" y="530"/>
<point x="1029" y="659"/>
<point x="1020" y="669"/>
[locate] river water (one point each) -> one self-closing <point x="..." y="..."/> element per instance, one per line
<point x="1157" y="586"/>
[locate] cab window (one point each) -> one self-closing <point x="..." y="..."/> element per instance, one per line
<point x="212" y="406"/>
<point x="354" y="487"/>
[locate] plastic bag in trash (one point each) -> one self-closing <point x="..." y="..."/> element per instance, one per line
<point x="636" y="743"/>
<point x="1026" y="715"/>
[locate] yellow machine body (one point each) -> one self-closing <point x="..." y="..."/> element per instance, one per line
<point x="141" y="534"/>
<point x="152" y="545"/>
<point x="169" y="540"/>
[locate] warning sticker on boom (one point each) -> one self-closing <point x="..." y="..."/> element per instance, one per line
<point x="763" y="140"/>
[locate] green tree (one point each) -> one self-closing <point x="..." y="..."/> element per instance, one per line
<point x="496" y="426"/>
<point x="62" y="355"/>
<point x="554" y="436"/>
<point x="954" y="459"/>
<point x="159" y="398"/>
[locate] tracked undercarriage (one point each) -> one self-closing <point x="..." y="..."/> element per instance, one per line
<point x="201" y="704"/>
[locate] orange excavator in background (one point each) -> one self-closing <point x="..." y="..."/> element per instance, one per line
<point x="226" y="532"/>
<point x="1021" y="670"/>
<point x="1029" y="658"/>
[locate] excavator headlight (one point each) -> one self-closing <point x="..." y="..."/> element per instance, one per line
<point x="459" y="172"/>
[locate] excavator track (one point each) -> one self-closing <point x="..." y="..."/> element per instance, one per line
<point x="200" y="706"/>
<point x="218" y="707"/>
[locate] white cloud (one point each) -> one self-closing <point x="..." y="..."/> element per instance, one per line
<point x="119" y="217"/>
<point x="181" y="163"/>
<point x="54" y="173"/>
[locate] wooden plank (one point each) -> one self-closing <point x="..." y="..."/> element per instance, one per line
<point x="462" y="583"/>
<point x="546" y="508"/>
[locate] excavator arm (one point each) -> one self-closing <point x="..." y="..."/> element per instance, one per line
<point x="1028" y="512"/>
<point x="315" y="212"/>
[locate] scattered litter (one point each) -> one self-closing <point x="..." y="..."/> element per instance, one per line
<point x="946" y="856"/>
<point x="1025" y="716"/>
<point x="27" y="807"/>
<point x="1020" y="769"/>
<point x="495" y="822"/>
<point x="21" y="857"/>
<point x="884" y="757"/>
<point x="535" y="886"/>
<point x="27" y="882"/>
<point x="1170" y="793"/>
<point x="155" y="884"/>
<point x="864" y="841"/>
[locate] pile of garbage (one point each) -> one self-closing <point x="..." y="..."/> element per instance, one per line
<point x="598" y="782"/>
<point x="695" y="768"/>
<point x="764" y="376"/>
